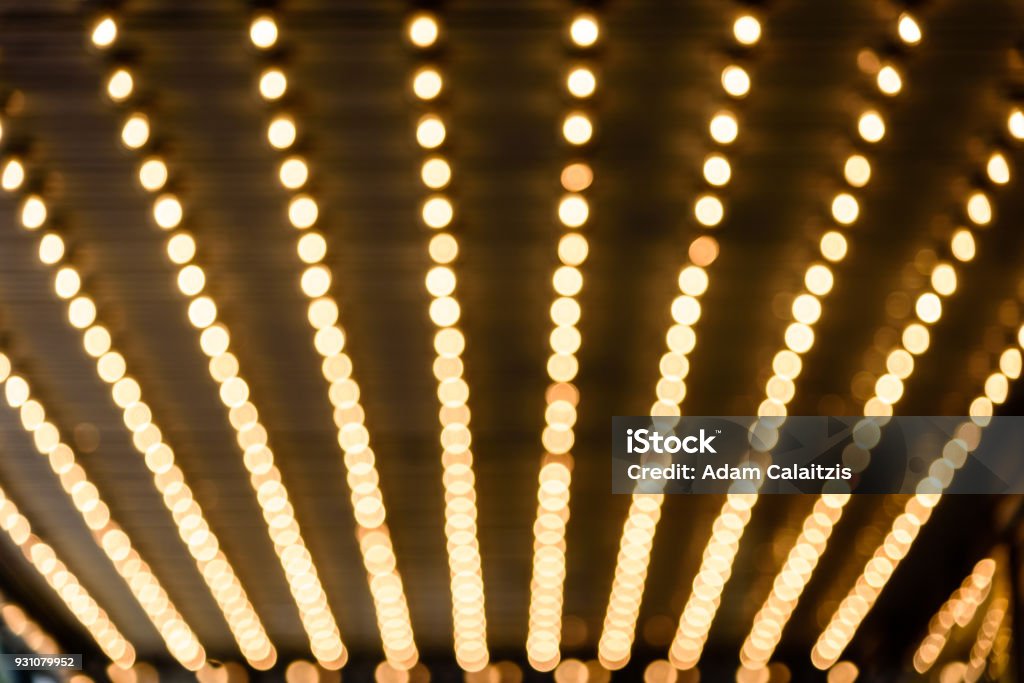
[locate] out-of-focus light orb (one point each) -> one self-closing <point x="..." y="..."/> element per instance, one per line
<point x="584" y="30"/>
<point x="104" y="32"/>
<point x="424" y="30"/>
<point x="909" y="30"/>
<point x="857" y="170"/>
<point x="735" y="81"/>
<point x="889" y="80"/>
<point x="871" y="126"/>
<point x="263" y="32"/>
<point x="747" y="29"/>
<point x="717" y="170"/>
<point x="724" y="128"/>
<point x="581" y="82"/>
<point x="709" y="210"/>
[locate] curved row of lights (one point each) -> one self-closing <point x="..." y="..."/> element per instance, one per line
<point x="702" y="605"/>
<point x="562" y="395"/>
<point x="958" y="610"/>
<point x="33" y="635"/>
<point x="18" y="621"/>
<point x="225" y="368"/>
<point x="179" y="637"/>
<point x="66" y="585"/>
<point x="770" y="620"/>
<point x="832" y="244"/>
<point x="469" y="619"/>
<point x="641" y="523"/>
<point x="849" y="615"/>
<point x="715" y="570"/>
<point x="139" y="420"/>
<point x="329" y="339"/>
<point x="987" y="633"/>
<point x="769" y="623"/>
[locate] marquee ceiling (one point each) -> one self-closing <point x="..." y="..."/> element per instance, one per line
<point x="349" y="67"/>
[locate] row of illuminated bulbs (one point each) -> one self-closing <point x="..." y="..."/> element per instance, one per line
<point x="224" y="368"/>
<point x="385" y="583"/>
<point x="775" y="613"/>
<point x="889" y="389"/>
<point x="645" y="510"/>
<point x="562" y="396"/>
<point x="780" y="389"/>
<point x="172" y="210"/>
<point x="234" y="392"/>
<point x="880" y="567"/>
<point x="464" y="560"/>
<point x="867" y="433"/>
<point x="958" y="610"/>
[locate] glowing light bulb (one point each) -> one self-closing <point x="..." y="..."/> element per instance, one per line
<point x="120" y="85"/>
<point x="104" y="32"/>
<point x="724" y="128"/>
<point x="584" y="30"/>
<point x="423" y="30"/>
<point x="747" y="29"/>
<point x="889" y="80"/>
<point x="909" y="30"/>
<point x="263" y="32"/>
<point x="581" y="82"/>
<point x="709" y="210"/>
<point x="273" y="84"/>
<point x="281" y="132"/>
<point x="13" y="175"/>
<point x="427" y="84"/>
<point x="577" y="129"/>
<point x="735" y="81"/>
<point x="871" y="126"/>
<point x="135" y="132"/>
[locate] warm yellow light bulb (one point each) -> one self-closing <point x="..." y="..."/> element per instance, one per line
<point x="167" y="211"/>
<point x="709" y="210"/>
<point x="998" y="168"/>
<point x="430" y="132"/>
<point x="135" y="132"/>
<point x="581" y="82"/>
<point x="735" y="81"/>
<point x="747" y="29"/>
<point x="13" y="175"/>
<point x="33" y="212"/>
<point x="263" y="32"/>
<point x="577" y="129"/>
<point x="909" y="30"/>
<point x="871" y="126"/>
<point x="281" y="132"/>
<point x="724" y="128"/>
<point x="717" y="170"/>
<point x="120" y="85"/>
<point x="423" y="30"/>
<point x="153" y="174"/>
<point x="1015" y="123"/>
<point x="857" y="170"/>
<point x="104" y="32"/>
<point x="293" y="173"/>
<point x="845" y="208"/>
<point x="889" y="80"/>
<point x="584" y="30"/>
<point x="427" y="83"/>
<point x="273" y="84"/>
<point x="436" y="173"/>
